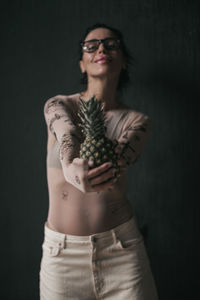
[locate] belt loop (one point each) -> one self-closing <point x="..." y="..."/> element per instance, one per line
<point x="114" y="236"/>
<point x="65" y="242"/>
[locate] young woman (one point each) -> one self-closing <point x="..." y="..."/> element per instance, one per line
<point x="92" y="247"/>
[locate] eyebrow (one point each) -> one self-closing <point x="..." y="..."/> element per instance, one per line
<point x="100" y="39"/>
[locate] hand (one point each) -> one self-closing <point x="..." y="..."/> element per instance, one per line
<point x="80" y="175"/>
<point x="102" y="177"/>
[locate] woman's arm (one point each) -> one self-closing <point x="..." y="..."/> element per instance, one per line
<point x="58" y="116"/>
<point x="59" y="120"/>
<point x="134" y="136"/>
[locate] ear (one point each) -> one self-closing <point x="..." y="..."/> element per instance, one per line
<point x="81" y="64"/>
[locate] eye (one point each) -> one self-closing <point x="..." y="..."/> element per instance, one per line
<point x="90" y="46"/>
<point x="111" y="43"/>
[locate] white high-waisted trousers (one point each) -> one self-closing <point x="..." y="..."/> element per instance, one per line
<point x="111" y="265"/>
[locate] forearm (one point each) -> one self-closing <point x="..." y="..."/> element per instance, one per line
<point x="60" y="123"/>
<point x="132" y="141"/>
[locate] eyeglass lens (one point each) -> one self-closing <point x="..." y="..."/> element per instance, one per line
<point x="93" y="45"/>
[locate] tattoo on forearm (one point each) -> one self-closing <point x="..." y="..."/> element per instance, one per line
<point x="137" y="138"/>
<point x="126" y="148"/>
<point x="130" y="142"/>
<point x="77" y="179"/>
<point x="138" y="127"/>
<point x="126" y="137"/>
<point x="67" y="144"/>
<point x="131" y="148"/>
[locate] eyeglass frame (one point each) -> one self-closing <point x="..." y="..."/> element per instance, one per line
<point x="101" y="41"/>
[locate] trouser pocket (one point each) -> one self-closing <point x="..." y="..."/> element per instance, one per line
<point x="129" y="238"/>
<point x="129" y="243"/>
<point x="52" y="248"/>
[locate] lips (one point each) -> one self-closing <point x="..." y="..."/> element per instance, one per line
<point x="102" y="59"/>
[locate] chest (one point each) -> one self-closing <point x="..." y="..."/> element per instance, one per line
<point x="114" y="122"/>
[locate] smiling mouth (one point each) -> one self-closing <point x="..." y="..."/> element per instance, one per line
<point x="103" y="61"/>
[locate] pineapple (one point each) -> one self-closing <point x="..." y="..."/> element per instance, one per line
<point x="96" y="146"/>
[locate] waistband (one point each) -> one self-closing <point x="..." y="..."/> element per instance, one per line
<point x="121" y="229"/>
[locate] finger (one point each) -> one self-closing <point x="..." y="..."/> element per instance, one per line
<point x="91" y="163"/>
<point x="105" y="185"/>
<point x="78" y="161"/>
<point x="103" y="177"/>
<point x="98" y="170"/>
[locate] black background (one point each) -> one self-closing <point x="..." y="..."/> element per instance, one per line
<point x="40" y="60"/>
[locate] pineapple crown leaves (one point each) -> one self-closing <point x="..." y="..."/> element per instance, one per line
<point x="92" y="117"/>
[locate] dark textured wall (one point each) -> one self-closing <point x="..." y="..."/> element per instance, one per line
<point x="39" y="60"/>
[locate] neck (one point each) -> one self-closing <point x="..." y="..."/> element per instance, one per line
<point x="104" y="91"/>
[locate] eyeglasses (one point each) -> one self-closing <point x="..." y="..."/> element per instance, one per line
<point x="108" y="43"/>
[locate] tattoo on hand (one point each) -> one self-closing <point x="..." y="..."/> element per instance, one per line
<point x="77" y="179"/>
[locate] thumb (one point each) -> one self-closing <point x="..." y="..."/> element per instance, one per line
<point x="79" y="161"/>
<point x="91" y="163"/>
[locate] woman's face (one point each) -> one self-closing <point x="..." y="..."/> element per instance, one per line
<point x="113" y="59"/>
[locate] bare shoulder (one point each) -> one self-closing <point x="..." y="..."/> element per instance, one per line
<point x="50" y="107"/>
<point x="137" y="118"/>
<point x="66" y="102"/>
<point x="50" y="103"/>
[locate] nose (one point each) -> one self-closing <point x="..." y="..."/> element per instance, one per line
<point x="101" y="48"/>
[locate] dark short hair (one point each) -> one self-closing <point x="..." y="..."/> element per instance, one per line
<point x="124" y="77"/>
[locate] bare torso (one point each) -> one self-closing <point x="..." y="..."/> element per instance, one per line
<point x="74" y="212"/>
